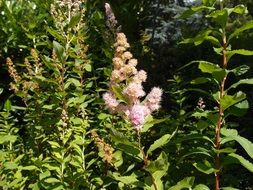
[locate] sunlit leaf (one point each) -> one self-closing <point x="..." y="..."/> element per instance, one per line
<point x="248" y="25"/>
<point x="230" y="100"/>
<point x="205" y="167"/>
<point x="159" y="143"/>
<point x="185" y="183"/>
<point x="201" y="187"/>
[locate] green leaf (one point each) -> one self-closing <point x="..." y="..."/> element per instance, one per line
<point x="159" y="166"/>
<point x="228" y="188"/>
<point x="232" y="135"/>
<point x="73" y="81"/>
<point x="239" y="9"/>
<point x="7" y="105"/>
<point x="185" y="183"/>
<point x="242" y="69"/>
<point x="209" y="3"/>
<point x="150" y="122"/>
<point x="238" y="109"/>
<point x="194" y="10"/>
<point x="205" y="167"/>
<point x="243" y="81"/>
<point x="196" y="151"/>
<point x="7" y="139"/>
<point x="32" y="167"/>
<point x="124" y="179"/>
<point x="88" y="67"/>
<point x="228" y="100"/>
<point x="224" y="150"/>
<point x="10" y="165"/>
<point x="44" y="175"/>
<point x="117" y="158"/>
<point x="248" y="25"/>
<point x="75" y="20"/>
<point x="118" y="93"/>
<point x="200" y="80"/>
<point x="159" y="143"/>
<point x="194" y="137"/>
<point x="52" y="180"/>
<point x="220" y="17"/>
<point x="248" y="165"/>
<point x="201" y="187"/>
<point x="238" y="51"/>
<point x="208" y="67"/>
<point x="55" y="34"/>
<point x="201" y="37"/>
<point x="60" y="51"/>
<point x="214" y="69"/>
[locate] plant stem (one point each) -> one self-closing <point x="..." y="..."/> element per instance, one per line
<point x="145" y="158"/>
<point x="221" y="113"/>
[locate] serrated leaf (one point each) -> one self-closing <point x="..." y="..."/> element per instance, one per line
<point x="214" y="69"/>
<point x="243" y="81"/>
<point x="232" y="135"/>
<point x="239" y="52"/>
<point x="219" y="16"/>
<point x="242" y="69"/>
<point x="228" y="100"/>
<point x="185" y="183"/>
<point x="248" y="165"/>
<point x="159" y="143"/>
<point x="248" y="25"/>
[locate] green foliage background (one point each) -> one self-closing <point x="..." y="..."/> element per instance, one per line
<point x="60" y="136"/>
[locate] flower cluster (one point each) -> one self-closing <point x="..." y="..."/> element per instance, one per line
<point x="126" y="90"/>
<point x="62" y="12"/>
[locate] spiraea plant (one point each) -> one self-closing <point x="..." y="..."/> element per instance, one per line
<point x="57" y="93"/>
<point x="216" y="154"/>
<point x="136" y="165"/>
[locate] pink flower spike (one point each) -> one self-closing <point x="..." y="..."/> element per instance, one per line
<point x="134" y="90"/>
<point x="154" y="99"/>
<point x="137" y="115"/>
<point x="110" y="101"/>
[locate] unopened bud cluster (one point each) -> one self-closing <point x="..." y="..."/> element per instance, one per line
<point x="127" y="81"/>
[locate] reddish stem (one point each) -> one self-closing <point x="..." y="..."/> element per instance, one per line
<point x="221" y="112"/>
